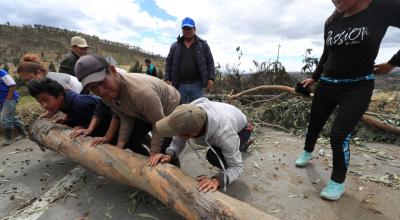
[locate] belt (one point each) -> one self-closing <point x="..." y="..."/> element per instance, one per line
<point x="189" y="81"/>
<point x="361" y="78"/>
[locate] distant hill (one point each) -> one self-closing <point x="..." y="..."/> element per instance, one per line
<point x="51" y="43"/>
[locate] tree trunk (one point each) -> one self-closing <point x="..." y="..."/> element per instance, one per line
<point x="379" y="124"/>
<point x="165" y="182"/>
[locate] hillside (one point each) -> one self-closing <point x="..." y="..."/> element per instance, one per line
<point x="51" y="43"/>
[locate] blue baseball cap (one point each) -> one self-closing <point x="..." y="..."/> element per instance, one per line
<point x="188" y="22"/>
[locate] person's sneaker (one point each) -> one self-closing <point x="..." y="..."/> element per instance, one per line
<point x="6" y="143"/>
<point x="304" y="158"/>
<point x="20" y="137"/>
<point x="7" y="137"/>
<point x="22" y="133"/>
<point x="333" y="190"/>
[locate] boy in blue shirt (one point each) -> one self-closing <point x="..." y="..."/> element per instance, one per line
<point x="8" y="101"/>
<point x="80" y="108"/>
<point x="87" y="114"/>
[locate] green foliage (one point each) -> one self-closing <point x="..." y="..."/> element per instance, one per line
<point x="52" y="67"/>
<point x="6" y="68"/>
<point x="236" y="80"/>
<point x="160" y="73"/>
<point x="136" y="67"/>
<point x="15" y="61"/>
<point x="293" y="113"/>
<point x="20" y="83"/>
<point x="28" y="109"/>
<point x="310" y="63"/>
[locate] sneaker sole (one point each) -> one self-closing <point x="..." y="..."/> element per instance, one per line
<point x="303" y="165"/>
<point x="331" y="198"/>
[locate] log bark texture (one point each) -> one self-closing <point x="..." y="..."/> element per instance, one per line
<point x="165" y="182"/>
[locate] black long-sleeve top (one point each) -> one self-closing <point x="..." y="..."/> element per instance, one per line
<point x="352" y="43"/>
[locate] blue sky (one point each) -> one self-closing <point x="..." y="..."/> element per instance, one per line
<point x="257" y="26"/>
<point x="150" y="7"/>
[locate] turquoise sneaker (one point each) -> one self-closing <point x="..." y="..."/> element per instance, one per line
<point x="304" y="158"/>
<point x="332" y="191"/>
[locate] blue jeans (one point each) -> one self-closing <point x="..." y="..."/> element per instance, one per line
<point x="8" y="118"/>
<point x="190" y="91"/>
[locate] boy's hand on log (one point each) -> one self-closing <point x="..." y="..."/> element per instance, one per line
<point x="120" y="144"/>
<point x="61" y="121"/>
<point x="79" y="131"/>
<point x="206" y="184"/>
<point x="99" y="140"/>
<point x="156" y="157"/>
<point x="44" y="115"/>
<point x="166" y="158"/>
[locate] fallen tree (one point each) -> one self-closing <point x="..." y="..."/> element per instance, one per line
<point x="365" y="119"/>
<point x="165" y="182"/>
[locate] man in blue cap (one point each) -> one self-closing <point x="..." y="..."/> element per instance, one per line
<point x="190" y="64"/>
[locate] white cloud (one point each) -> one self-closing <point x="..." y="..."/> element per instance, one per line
<point x="258" y="26"/>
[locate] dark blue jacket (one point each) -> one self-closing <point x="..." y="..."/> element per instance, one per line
<point x="81" y="108"/>
<point x="204" y="59"/>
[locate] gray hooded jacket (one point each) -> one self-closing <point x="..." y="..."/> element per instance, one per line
<point x="224" y="122"/>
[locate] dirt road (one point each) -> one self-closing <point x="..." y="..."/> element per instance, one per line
<point x="37" y="185"/>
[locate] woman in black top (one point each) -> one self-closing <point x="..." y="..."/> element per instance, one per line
<point x="352" y="35"/>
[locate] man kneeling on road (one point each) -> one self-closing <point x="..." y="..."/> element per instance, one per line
<point x="220" y="126"/>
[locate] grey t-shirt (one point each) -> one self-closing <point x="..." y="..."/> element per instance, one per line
<point x="67" y="81"/>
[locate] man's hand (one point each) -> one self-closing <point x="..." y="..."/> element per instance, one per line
<point x="79" y="131"/>
<point x="99" y="140"/>
<point x="45" y="115"/>
<point x="61" y="121"/>
<point x="168" y="82"/>
<point x="383" y="68"/>
<point x="206" y="184"/>
<point x="210" y="85"/>
<point x="120" y="144"/>
<point x="158" y="157"/>
<point x="308" y="82"/>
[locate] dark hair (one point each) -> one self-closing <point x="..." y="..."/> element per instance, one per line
<point x="147" y="60"/>
<point x="335" y="15"/>
<point x="30" y="63"/>
<point x="45" y="85"/>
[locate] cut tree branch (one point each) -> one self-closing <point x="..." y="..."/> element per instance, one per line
<point x="365" y="119"/>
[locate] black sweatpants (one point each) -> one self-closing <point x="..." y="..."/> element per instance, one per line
<point x="244" y="136"/>
<point x="140" y="136"/>
<point x="352" y="100"/>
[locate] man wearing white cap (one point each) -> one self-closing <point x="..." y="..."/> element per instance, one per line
<point x="79" y="47"/>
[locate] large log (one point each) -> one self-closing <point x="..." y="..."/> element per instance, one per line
<point x="165" y="182"/>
